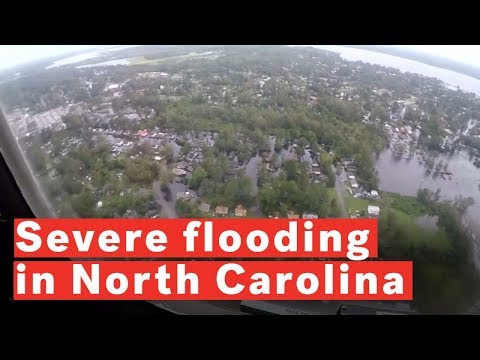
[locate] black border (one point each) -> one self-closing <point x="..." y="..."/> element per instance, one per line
<point x="354" y="23"/>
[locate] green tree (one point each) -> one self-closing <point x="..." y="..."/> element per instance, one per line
<point x="168" y="153"/>
<point x="185" y="148"/>
<point x="37" y="159"/>
<point x="239" y="191"/>
<point x="290" y="167"/>
<point x="84" y="204"/>
<point x="198" y="175"/>
<point x="71" y="185"/>
<point x="186" y="209"/>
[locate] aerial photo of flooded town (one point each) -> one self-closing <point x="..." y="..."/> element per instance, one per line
<point x="265" y="132"/>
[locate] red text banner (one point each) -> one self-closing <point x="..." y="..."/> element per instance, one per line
<point x="355" y="239"/>
<point x="213" y="280"/>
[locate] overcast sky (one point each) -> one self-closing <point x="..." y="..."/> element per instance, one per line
<point x="11" y="55"/>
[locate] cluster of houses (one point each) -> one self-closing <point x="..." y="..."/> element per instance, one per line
<point x="355" y="188"/>
<point x="239" y="210"/>
<point x="293" y="215"/>
<point x="185" y="167"/>
<point x="357" y="191"/>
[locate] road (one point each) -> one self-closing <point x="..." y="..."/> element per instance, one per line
<point x="340" y="189"/>
<point x="168" y="207"/>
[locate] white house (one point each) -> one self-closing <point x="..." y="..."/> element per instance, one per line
<point x="373" y="210"/>
<point x="374" y="193"/>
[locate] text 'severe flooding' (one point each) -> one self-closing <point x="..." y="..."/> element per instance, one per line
<point x="352" y="279"/>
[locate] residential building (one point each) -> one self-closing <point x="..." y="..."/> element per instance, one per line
<point x="356" y="192"/>
<point x="179" y="172"/>
<point x="292" y="215"/>
<point x="373" y="210"/>
<point x="184" y="195"/>
<point x="221" y="210"/>
<point x="204" y="207"/>
<point x="240" y="211"/>
<point x="309" y="216"/>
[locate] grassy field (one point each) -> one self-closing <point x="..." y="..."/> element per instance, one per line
<point x="406" y="204"/>
<point x="352" y="203"/>
<point x="332" y="194"/>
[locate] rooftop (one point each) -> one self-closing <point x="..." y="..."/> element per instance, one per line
<point x="221" y="210"/>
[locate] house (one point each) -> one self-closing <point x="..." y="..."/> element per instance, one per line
<point x="309" y="216"/>
<point x="182" y="165"/>
<point x="373" y="210"/>
<point x="143" y="133"/>
<point x="356" y="192"/>
<point x="179" y="172"/>
<point x="204" y="207"/>
<point x="374" y="193"/>
<point x="292" y="215"/>
<point x="346" y="161"/>
<point x="221" y="210"/>
<point x="240" y="211"/>
<point x="184" y="195"/>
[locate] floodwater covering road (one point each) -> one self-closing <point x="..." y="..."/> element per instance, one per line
<point x="167" y="207"/>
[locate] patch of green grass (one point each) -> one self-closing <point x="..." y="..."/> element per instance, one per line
<point x="331" y="194"/>
<point x="352" y="203"/>
<point x="406" y="204"/>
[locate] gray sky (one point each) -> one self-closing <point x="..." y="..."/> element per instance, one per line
<point x="11" y="55"/>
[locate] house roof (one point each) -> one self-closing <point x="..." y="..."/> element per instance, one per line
<point x="373" y="210"/>
<point x="293" y="216"/>
<point x="179" y="172"/>
<point x="240" y="211"/>
<point x="204" y="207"/>
<point x="183" y="195"/>
<point x="309" y="216"/>
<point x="221" y="210"/>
